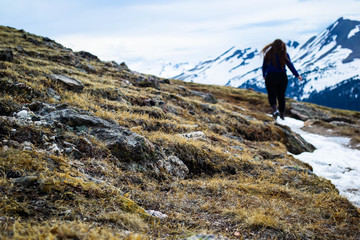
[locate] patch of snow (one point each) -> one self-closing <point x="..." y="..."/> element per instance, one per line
<point x="22" y="114"/>
<point x="354" y="31"/>
<point x="332" y="160"/>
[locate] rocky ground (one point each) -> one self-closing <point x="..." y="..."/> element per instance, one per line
<point x="92" y="150"/>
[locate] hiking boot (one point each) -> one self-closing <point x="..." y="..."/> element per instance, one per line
<point x="276" y="114"/>
<point x="282" y="115"/>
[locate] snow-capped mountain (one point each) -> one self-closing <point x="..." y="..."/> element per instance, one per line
<point x="328" y="62"/>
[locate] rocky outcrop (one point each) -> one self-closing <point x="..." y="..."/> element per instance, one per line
<point x="147" y="81"/>
<point x="293" y="141"/>
<point x="123" y="144"/>
<point x="69" y="82"/>
<point x="305" y="112"/>
<point x="174" y="166"/>
<point x="207" y="97"/>
<point x="87" y="56"/>
<point x="20" y="89"/>
<point x="133" y="151"/>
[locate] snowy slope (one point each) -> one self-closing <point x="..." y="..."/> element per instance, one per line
<point x="326" y="61"/>
<point x="332" y="159"/>
<point x="222" y="68"/>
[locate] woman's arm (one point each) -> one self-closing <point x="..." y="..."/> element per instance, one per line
<point x="292" y="68"/>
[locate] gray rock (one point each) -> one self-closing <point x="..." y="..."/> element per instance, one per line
<point x="156" y="214"/>
<point x="298" y="169"/>
<point x="147" y="81"/>
<point x="88" y="68"/>
<point x="237" y="148"/>
<point x="53" y="94"/>
<point x="195" y="135"/>
<point x="305" y="112"/>
<point x="87" y="56"/>
<point x="123" y="66"/>
<point x="13" y="143"/>
<point x="25" y="181"/>
<point x="208" y="108"/>
<point x="208" y="97"/>
<point x="70" y="83"/>
<point x="27" y="146"/>
<point x="206" y="237"/>
<point x="174" y="166"/>
<point x="124" y="144"/>
<point x="293" y="141"/>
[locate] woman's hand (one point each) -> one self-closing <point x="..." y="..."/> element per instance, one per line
<point x="300" y="78"/>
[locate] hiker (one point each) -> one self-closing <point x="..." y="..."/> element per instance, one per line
<point x="274" y="73"/>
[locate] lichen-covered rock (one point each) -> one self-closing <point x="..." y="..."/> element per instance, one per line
<point x="174" y="166"/>
<point x="127" y="146"/>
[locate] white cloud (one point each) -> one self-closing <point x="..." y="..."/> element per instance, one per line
<point x="177" y="30"/>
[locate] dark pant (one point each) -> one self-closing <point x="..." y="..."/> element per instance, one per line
<point x="276" y="83"/>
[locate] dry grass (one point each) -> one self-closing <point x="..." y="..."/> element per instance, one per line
<point x="236" y="183"/>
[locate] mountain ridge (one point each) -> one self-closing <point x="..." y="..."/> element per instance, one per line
<point x="324" y="60"/>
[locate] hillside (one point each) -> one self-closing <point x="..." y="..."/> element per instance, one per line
<point x="92" y="150"/>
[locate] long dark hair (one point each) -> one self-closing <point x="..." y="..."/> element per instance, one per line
<point x="276" y="48"/>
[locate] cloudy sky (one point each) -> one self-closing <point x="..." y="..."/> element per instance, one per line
<point x="141" y="32"/>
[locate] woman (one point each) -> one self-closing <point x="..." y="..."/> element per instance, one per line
<point x="274" y="73"/>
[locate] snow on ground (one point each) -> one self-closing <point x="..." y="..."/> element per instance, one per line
<point x="332" y="160"/>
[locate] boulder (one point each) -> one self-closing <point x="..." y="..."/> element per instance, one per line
<point x="88" y="68"/>
<point x="87" y="56"/>
<point x="25" y="181"/>
<point x="53" y="94"/>
<point x="208" y="97"/>
<point x="147" y="81"/>
<point x="124" y="144"/>
<point x="305" y="112"/>
<point x="70" y="83"/>
<point x="123" y="66"/>
<point x="174" y="166"/>
<point x="293" y="141"/>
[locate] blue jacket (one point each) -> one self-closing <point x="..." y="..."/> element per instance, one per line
<point x="269" y="67"/>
